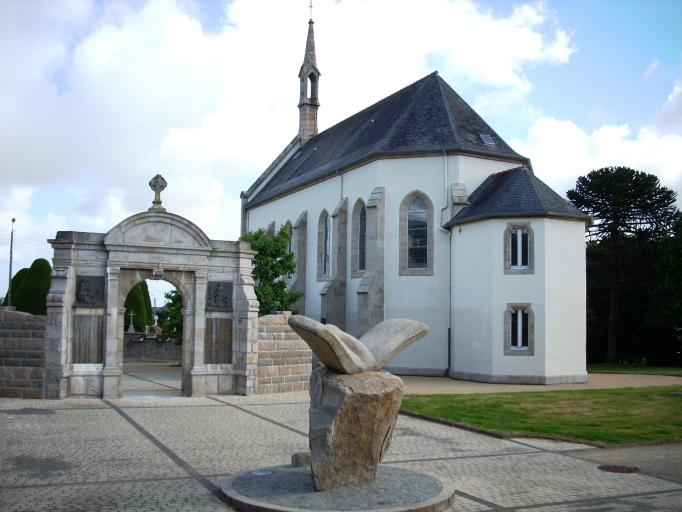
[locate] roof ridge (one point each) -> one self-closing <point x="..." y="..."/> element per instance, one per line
<point x="433" y="73"/>
<point x="509" y="170"/>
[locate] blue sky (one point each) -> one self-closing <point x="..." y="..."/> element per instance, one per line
<point x="99" y="96"/>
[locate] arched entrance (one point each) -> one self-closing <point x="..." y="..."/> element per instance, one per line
<point x="93" y="273"/>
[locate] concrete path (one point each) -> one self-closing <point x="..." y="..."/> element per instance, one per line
<point x="154" y="450"/>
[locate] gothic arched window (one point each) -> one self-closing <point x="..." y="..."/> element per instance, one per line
<point x="416" y="235"/>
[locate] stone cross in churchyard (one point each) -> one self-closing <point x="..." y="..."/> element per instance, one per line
<point x="130" y="327"/>
<point x="157" y="184"/>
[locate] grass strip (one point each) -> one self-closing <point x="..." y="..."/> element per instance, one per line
<point x="610" y="416"/>
<point x="624" y="368"/>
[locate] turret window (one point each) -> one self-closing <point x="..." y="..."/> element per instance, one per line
<point x="518" y="248"/>
<point x="519" y="327"/>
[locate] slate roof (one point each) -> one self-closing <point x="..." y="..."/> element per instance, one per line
<point x="514" y="193"/>
<point x="426" y="116"/>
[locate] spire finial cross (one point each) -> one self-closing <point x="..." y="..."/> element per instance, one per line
<point x="311" y="9"/>
<point x="158" y="184"/>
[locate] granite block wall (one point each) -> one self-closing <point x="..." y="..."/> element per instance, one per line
<point x="284" y="359"/>
<point x="22" y="354"/>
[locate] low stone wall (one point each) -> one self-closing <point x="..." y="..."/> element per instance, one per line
<point x="22" y="354"/>
<point x="150" y="349"/>
<point x="284" y="359"/>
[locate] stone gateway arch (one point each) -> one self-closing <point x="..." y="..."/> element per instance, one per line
<point x="93" y="273"/>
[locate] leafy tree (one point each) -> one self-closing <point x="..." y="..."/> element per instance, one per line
<point x="32" y="293"/>
<point x="147" y="301"/>
<point x="624" y="203"/>
<point x="135" y="303"/>
<point x="170" y="318"/>
<point x="16" y="282"/>
<point x="271" y="263"/>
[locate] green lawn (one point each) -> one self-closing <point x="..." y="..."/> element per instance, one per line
<point x="600" y="415"/>
<point x="623" y="368"/>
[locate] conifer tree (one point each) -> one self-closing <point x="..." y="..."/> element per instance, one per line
<point x="135" y="303"/>
<point x="626" y="205"/>
<point x="147" y="301"/>
<point x="16" y="282"/>
<point x="32" y="293"/>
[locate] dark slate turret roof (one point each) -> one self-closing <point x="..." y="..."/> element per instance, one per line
<point x="427" y="116"/>
<point x="514" y="193"/>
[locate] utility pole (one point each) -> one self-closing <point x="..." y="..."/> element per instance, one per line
<point x="11" y="247"/>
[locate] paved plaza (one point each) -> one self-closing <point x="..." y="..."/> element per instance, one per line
<point x="154" y="450"/>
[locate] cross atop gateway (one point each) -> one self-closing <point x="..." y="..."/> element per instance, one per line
<point x="157" y="184"/>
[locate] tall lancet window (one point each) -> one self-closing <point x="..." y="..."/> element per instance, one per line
<point x="290" y="246"/>
<point x="417" y="234"/>
<point x="362" y="238"/>
<point x="326" y="248"/>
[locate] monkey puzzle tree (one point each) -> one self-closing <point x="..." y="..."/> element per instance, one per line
<point x="624" y="203"/>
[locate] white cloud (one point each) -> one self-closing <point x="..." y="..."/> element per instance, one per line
<point x="670" y="119"/>
<point x="96" y="98"/>
<point x="560" y="152"/>
<point x="650" y="70"/>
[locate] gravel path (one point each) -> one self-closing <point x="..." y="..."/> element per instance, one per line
<point x="443" y="385"/>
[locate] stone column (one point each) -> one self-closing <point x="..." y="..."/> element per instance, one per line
<point x="334" y="291"/>
<point x="300" y="245"/>
<point x="245" y="337"/>
<point x="59" y="300"/>
<point x="113" y="330"/>
<point x="370" y="292"/>
<point x="198" y="313"/>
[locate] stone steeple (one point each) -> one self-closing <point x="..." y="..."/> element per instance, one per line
<point x="309" y="77"/>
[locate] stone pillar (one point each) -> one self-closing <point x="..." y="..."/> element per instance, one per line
<point x="370" y="292"/>
<point x="334" y="291"/>
<point x="245" y="339"/>
<point x="114" y="325"/>
<point x="59" y="300"/>
<point x="300" y="245"/>
<point x="198" y="321"/>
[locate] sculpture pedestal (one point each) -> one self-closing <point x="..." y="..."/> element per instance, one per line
<point x="351" y="424"/>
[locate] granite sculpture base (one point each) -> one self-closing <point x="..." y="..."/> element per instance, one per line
<point x="289" y="489"/>
<point x="352" y="418"/>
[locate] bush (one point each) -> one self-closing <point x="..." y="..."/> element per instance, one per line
<point x="16" y="282"/>
<point x="32" y="293"/>
<point x="135" y="303"/>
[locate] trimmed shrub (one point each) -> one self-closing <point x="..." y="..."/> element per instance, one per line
<point x="147" y="301"/>
<point x="16" y="282"/>
<point x="135" y="302"/>
<point x="32" y="293"/>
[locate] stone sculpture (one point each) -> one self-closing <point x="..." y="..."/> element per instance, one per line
<point x="353" y="404"/>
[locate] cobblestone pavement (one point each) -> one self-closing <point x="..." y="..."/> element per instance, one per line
<point x="155" y="450"/>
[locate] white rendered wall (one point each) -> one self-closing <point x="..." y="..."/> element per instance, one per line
<point x="514" y="289"/>
<point x="473" y="268"/>
<point x="472" y="171"/>
<point x="555" y="290"/>
<point x="565" y="309"/>
<point x="422" y="298"/>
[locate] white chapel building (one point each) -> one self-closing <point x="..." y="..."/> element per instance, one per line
<point x="415" y="208"/>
